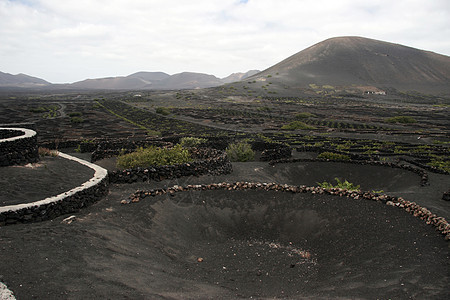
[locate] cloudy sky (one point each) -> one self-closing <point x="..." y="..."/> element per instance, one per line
<point x="71" y="40"/>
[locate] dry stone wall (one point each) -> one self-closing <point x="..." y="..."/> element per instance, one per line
<point x="68" y="202"/>
<point x="209" y="161"/>
<point x="18" y="146"/>
<point x="107" y="149"/>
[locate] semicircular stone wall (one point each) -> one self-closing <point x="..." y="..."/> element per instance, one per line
<point x="67" y="202"/>
<point x="18" y="146"/>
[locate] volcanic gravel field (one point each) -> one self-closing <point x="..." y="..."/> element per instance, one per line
<point x="239" y="243"/>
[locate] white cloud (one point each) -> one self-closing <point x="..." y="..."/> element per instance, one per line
<point x="65" y="41"/>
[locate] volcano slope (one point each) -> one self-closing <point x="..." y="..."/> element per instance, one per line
<point x="347" y="61"/>
<point x="230" y="244"/>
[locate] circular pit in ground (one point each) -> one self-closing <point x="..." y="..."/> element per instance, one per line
<point x="228" y="244"/>
<point x="275" y="244"/>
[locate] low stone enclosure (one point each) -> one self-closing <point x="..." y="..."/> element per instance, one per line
<point x="411" y="207"/>
<point x="207" y="161"/>
<point x="18" y="146"/>
<point x="68" y="202"/>
<point x="104" y="148"/>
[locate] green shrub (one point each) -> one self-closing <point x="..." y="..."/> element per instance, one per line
<point x="154" y="156"/>
<point x="75" y="114"/>
<point x="76" y="120"/>
<point x="333" y="156"/>
<point x="378" y="191"/>
<point x="440" y="164"/>
<point x="241" y="151"/>
<point x="163" y="111"/>
<point x="297" y="125"/>
<point x="39" y="109"/>
<point x="401" y="119"/>
<point x="96" y="105"/>
<point x="153" y="132"/>
<point x="305" y="115"/>
<point x="339" y="184"/>
<point x="192" y="141"/>
<point x="438" y="142"/>
<point x="264" y="108"/>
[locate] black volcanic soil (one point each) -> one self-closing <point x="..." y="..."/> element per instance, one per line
<point x="49" y="177"/>
<point x="250" y="243"/>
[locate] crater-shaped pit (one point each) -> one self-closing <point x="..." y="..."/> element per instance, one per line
<point x="278" y="244"/>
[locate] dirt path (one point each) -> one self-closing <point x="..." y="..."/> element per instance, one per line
<point x="62" y="110"/>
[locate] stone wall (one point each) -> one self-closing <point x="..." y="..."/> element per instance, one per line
<point x="111" y="148"/>
<point x="31" y="126"/>
<point x="9" y="133"/>
<point x="208" y="161"/>
<point x="18" y="146"/>
<point x="68" y="202"/>
<point x="423" y="165"/>
<point x="5" y="293"/>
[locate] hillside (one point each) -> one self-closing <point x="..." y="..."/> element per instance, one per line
<point x="239" y="76"/>
<point x="346" y="61"/>
<point x="137" y="80"/>
<point x="160" y="81"/>
<point x="188" y="80"/>
<point x="151" y="80"/>
<point x="21" y="80"/>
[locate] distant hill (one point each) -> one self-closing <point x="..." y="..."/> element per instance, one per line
<point x="160" y="81"/>
<point x="346" y="61"/>
<point x="239" y="76"/>
<point x="151" y="80"/>
<point x="150" y="77"/>
<point x="134" y="81"/>
<point x="21" y="80"/>
<point x="188" y="80"/>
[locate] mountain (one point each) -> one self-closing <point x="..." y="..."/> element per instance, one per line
<point x="189" y="80"/>
<point x="138" y="80"/>
<point x="151" y="80"/>
<point x="346" y="61"/>
<point x="160" y="81"/>
<point x="21" y="80"/>
<point x="150" y="76"/>
<point x="239" y="76"/>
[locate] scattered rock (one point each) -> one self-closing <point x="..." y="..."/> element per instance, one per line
<point x="69" y="220"/>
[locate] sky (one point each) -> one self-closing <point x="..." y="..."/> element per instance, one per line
<point x="64" y="41"/>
